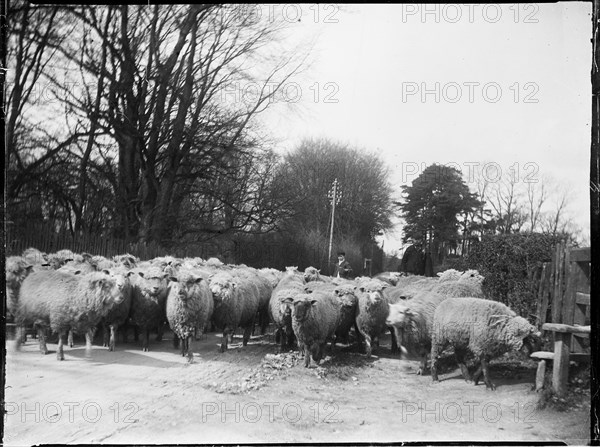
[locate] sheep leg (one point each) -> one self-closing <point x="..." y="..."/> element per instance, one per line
<point x="247" y="333"/>
<point x="423" y="366"/>
<point x="145" y="337"/>
<point x="106" y="335"/>
<point x="359" y="339"/>
<point x="434" y="361"/>
<point x="89" y="338"/>
<point x="397" y="336"/>
<point x="367" y="339"/>
<point x="290" y="337"/>
<point x="306" y="356"/>
<point x="395" y="349"/>
<point x="160" y="330"/>
<point x="70" y="338"/>
<point x="175" y="341"/>
<point x="59" y="352"/>
<point x="477" y="375"/>
<point x="225" y="339"/>
<point x="136" y="334"/>
<point x="486" y="375"/>
<point x="460" y="358"/>
<point x="42" y="340"/>
<point x="190" y="353"/>
<point x="113" y="336"/>
<point x="182" y="341"/>
<point x="18" y="337"/>
<point x="278" y="335"/>
<point x="264" y="322"/>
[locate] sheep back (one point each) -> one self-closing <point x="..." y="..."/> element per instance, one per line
<point x="63" y="301"/>
<point x="484" y="327"/>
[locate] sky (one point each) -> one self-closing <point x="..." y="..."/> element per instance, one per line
<point x="474" y="85"/>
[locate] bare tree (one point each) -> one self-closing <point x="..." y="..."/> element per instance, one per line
<point x="536" y="196"/>
<point x="150" y="95"/>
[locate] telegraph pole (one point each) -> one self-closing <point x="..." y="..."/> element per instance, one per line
<point x="335" y="196"/>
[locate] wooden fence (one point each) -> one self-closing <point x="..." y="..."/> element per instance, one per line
<point x="564" y="290"/>
<point x="49" y="241"/>
<point x="564" y="300"/>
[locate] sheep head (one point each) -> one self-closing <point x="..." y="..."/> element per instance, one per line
<point x="302" y="306"/>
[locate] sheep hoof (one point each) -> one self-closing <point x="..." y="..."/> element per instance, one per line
<point x="420" y="372"/>
<point x="144" y="349"/>
<point x="491" y="386"/>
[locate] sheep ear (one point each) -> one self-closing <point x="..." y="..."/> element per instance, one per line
<point x="165" y="275"/>
<point x="29" y="267"/>
<point x="313" y="302"/>
<point x="337" y="292"/>
<point x="198" y="280"/>
<point x="319" y="271"/>
<point x="105" y="271"/>
<point x="288" y="300"/>
<point x="173" y="278"/>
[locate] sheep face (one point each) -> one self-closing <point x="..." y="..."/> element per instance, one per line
<point x="311" y="274"/>
<point x="302" y="307"/>
<point x="34" y="256"/>
<point x="291" y="271"/>
<point x="398" y="316"/>
<point x="152" y="283"/>
<point x="520" y="331"/>
<point x="106" y="286"/>
<point x="345" y="296"/>
<point x="372" y="292"/>
<point x="222" y="288"/>
<point x="182" y="287"/>
<point x="17" y="270"/>
<point x="286" y="301"/>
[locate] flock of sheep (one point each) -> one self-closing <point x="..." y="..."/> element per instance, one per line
<point x="67" y="292"/>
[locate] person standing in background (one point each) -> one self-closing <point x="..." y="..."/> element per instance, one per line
<point x="343" y="269"/>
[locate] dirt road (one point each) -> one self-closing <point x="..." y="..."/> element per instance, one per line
<point x="253" y="395"/>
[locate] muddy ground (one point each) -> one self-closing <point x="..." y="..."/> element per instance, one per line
<point x="254" y="395"/>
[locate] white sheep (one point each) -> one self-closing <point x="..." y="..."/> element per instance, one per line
<point x="315" y="318"/>
<point x="149" y="294"/>
<point x="372" y="312"/>
<point x="189" y="307"/>
<point x="485" y="328"/>
<point x="291" y="284"/>
<point x="412" y="322"/>
<point x="63" y="301"/>
<point x="236" y="302"/>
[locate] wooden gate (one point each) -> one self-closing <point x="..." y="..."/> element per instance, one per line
<point x="564" y="300"/>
